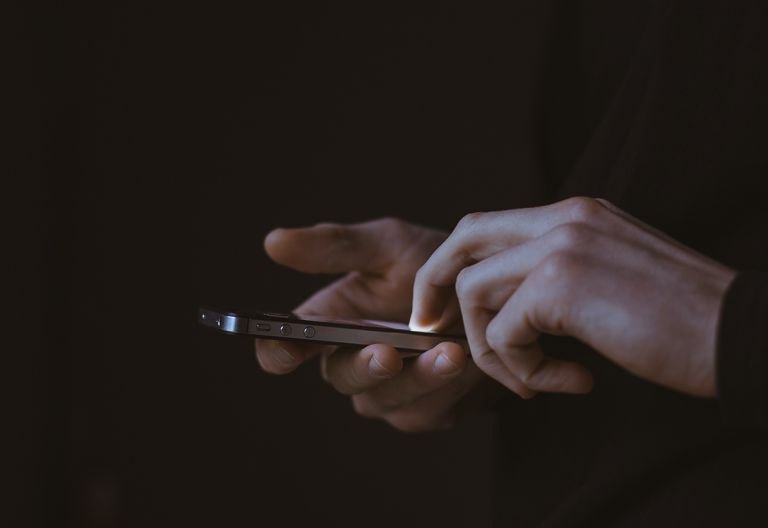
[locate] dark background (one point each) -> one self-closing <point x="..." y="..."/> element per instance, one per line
<point x="151" y="148"/>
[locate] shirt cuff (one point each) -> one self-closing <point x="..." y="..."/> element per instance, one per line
<point x="742" y="352"/>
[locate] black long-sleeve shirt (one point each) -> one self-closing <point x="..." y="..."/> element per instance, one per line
<point x="661" y="108"/>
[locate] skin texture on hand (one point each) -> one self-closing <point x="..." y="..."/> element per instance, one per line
<point x="380" y="259"/>
<point x="581" y="268"/>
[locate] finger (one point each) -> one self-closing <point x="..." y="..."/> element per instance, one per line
<point x="280" y="357"/>
<point x="336" y="248"/>
<point x="476" y="320"/>
<point x="352" y="371"/>
<point x="538" y="306"/>
<point x="488" y="284"/>
<point x="450" y="319"/>
<point x="536" y="372"/>
<point x="445" y="407"/>
<point x="483" y="289"/>
<point x="429" y="372"/>
<point x="482" y="235"/>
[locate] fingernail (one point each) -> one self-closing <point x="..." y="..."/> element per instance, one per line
<point x="284" y="357"/>
<point x="445" y="366"/>
<point x="377" y="369"/>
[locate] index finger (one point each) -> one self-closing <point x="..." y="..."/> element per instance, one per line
<point x="480" y="236"/>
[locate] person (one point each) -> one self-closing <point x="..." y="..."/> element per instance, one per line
<point x="633" y="306"/>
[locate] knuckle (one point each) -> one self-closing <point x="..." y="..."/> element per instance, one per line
<point x="268" y="363"/>
<point x="583" y="209"/>
<point x="558" y="265"/>
<point x="540" y="376"/>
<point x="343" y="387"/>
<point x="573" y="235"/>
<point x="271" y="369"/>
<point x="427" y="275"/>
<point x="464" y="284"/>
<point x="496" y="338"/>
<point x="487" y="360"/>
<point x="337" y="233"/>
<point x="344" y="382"/>
<point x="455" y="389"/>
<point x="468" y="221"/>
<point x="337" y="230"/>
<point x="606" y="203"/>
<point x="393" y="229"/>
<point x="342" y="372"/>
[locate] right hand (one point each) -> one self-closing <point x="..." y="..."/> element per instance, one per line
<point x="431" y="391"/>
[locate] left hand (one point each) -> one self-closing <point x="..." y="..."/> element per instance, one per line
<point x="432" y="391"/>
<point x="582" y="268"/>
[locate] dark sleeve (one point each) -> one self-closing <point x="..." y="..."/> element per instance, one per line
<point x="742" y="352"/>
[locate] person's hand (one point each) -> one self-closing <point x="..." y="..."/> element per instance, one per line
<point x="431" y="391"/>
<point x="581" y="268"/>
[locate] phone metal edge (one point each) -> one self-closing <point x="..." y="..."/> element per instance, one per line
<point x="220" y="321"/>
<point x="317" y="332"/>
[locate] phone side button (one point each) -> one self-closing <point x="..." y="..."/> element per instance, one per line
<point x="263" y="327"/>
<point x="285" y="329"/>
<point x="309" y="332"/>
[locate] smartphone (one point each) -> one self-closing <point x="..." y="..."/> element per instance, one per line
<point x="323" y="330"/>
